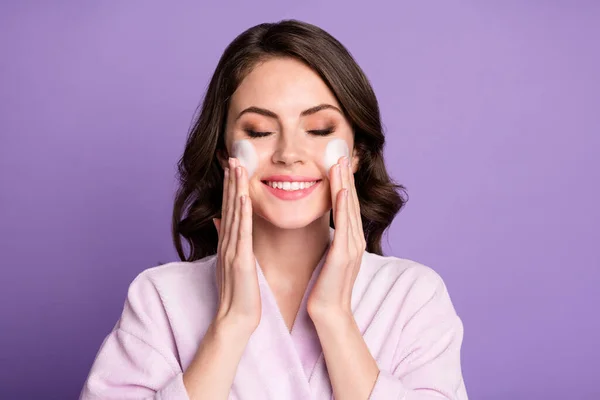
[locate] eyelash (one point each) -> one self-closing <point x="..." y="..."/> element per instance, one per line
<point x="316" y="132"/>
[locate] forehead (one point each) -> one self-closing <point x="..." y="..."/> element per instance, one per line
<point x="282" y="85"/>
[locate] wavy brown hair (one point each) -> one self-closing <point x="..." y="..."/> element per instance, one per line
<point x="198" y="199"/>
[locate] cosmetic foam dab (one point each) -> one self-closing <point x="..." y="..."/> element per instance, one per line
<point x="244" y="151"/>
<point x="335" y="149"/>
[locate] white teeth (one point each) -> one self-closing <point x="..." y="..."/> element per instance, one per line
<point x="291" y="186"/>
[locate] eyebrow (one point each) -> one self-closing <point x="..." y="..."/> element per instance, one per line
<point x="271" y="114"/>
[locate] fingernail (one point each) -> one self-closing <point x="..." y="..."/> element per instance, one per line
<point x="243" y="198"/>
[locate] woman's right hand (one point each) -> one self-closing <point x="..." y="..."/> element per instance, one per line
<point x="240" y="304"/>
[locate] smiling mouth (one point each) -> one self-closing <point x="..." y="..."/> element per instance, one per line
<point x="291" y="186"/>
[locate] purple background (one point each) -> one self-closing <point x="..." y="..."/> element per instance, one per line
<point x="492" y="118"/>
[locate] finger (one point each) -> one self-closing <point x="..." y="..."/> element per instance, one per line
<point x="348" y="215"/>
<point x="235" y="223"/>
<point x="244" y="243"/>
<point x="217" y="223"/>
<point x="224" y="223"/>
<point x="361" y="234"/>
<point x="355" y="201"/>
<point x="228" y="246"/>
<point x="344" y="172"/>
<point x="230" y="204"/>
<point x="334" y="188"/>
<point x="340" y="237"/>
<point x="223" y="205"/>
<point x="354" y="207"/>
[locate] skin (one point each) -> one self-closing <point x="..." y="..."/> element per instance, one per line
<point x="254" y="223"/>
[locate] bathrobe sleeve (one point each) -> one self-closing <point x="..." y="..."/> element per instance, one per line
<point x="137" y="359"/>
<point x="426" y="364"/>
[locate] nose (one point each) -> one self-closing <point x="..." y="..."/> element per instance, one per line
<point x="290" y="149"/>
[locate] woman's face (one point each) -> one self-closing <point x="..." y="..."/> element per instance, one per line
<point x="287" y="116"/>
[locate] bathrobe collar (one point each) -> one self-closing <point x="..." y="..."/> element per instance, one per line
<point x="273" y="349"/>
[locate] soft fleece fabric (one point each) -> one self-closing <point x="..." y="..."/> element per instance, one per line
<point x="402" y="308"/>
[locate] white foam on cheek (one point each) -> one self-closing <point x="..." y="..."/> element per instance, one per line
<point x="335" y="149"/>
<point x="244" y="151"/>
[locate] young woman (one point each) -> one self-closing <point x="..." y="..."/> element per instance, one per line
<point x="272" y="302"/>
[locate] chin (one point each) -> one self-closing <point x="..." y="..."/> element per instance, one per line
<point x="288" y="220"/>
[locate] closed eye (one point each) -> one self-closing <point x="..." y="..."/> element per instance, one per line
<point x="255" y="134"/>
<point x="321" y="132"/>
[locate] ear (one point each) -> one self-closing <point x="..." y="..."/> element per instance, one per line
<point x="223" y="158"/>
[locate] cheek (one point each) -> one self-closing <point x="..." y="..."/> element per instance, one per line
<point x="335" y="149"/>
<point x="244" y="151"/>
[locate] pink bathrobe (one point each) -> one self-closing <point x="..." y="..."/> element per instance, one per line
<point x="401" y="307"/>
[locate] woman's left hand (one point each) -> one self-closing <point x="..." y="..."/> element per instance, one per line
<point x="332" y="291"/>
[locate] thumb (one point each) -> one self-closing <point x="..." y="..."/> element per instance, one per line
<point x="217" y="222"/>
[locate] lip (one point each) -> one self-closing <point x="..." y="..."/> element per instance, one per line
<point x="292" y="195"/>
